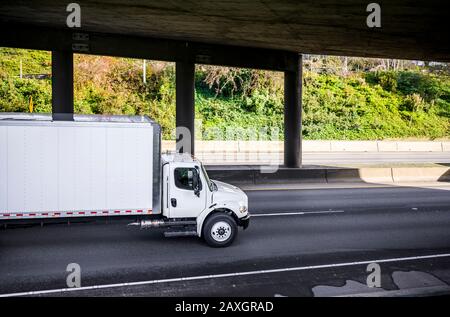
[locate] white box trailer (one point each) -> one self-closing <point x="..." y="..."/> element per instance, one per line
<point x="80" y="168"/>
<point x="108" y="166"/>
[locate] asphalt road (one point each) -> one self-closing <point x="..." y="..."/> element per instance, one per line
<point x="328" y="158"/>
<point x="319" y="228"/>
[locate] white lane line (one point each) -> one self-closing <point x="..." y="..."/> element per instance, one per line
<point x="203" y="277"/>
<point x="296" y="213"/>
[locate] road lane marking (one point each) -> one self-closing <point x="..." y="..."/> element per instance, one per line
<point x="224" y="275"/>
<point x="296" y="213"/>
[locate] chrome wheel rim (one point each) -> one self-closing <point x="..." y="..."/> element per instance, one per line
<point x="221" y="231"/>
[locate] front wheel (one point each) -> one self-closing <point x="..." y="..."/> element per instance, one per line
<point x="219" y="230"/>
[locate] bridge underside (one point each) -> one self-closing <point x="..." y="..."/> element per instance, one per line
<point x="409" y="29"/>
<point x="260" y="34"/>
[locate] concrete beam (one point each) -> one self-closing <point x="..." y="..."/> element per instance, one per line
<point x="185" y="107"/>
<point x="45" y="38"/>
<point x="292" y="115"/>
<point x="62" y="85"/>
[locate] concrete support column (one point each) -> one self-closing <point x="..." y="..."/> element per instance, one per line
<point x="292" y="115"/>
<point x="62" y="85"/>
<point x="185" y="103"/>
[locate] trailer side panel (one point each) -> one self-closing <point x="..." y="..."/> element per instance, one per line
<point x="73" y="169"/>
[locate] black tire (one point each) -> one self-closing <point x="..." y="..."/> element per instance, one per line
<point x="223" y="235"/>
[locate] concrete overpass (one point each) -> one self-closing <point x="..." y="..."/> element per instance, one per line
<point x="248" y="33"/>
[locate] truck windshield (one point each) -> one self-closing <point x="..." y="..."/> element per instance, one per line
<point x="208" y="181"/>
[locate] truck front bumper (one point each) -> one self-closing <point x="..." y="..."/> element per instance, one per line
<point x="244" y="221"/>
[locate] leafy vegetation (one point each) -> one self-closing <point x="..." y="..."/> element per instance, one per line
<point x="343" y="98"/>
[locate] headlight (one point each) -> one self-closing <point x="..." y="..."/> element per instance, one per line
<point x="243" y="209"/>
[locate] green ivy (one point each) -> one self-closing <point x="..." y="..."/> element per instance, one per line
<point x="365" y="106"/>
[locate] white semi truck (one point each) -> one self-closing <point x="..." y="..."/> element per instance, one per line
<point x="110" y="166"/>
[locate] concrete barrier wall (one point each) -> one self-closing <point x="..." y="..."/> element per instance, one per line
<point x="420" y="146"/>
<point x="374" y="175"/>
<point x="352" y="175"/>
<point x="431" y="174"/>
<point x="446" y="146"/>
<point x="354" y="146"/>
<point x="316" y="146"/>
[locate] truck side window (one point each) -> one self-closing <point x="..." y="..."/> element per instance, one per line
<point x="184" y="178"/>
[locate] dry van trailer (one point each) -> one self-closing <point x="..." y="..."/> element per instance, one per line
<point x="94" y="166"/>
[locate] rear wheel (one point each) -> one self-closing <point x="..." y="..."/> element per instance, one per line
<point x="219" y="230"/>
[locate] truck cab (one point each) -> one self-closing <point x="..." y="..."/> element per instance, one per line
<point x="188" y="194"/>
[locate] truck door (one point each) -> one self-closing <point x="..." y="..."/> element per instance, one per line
<point x="184" y="201"/>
